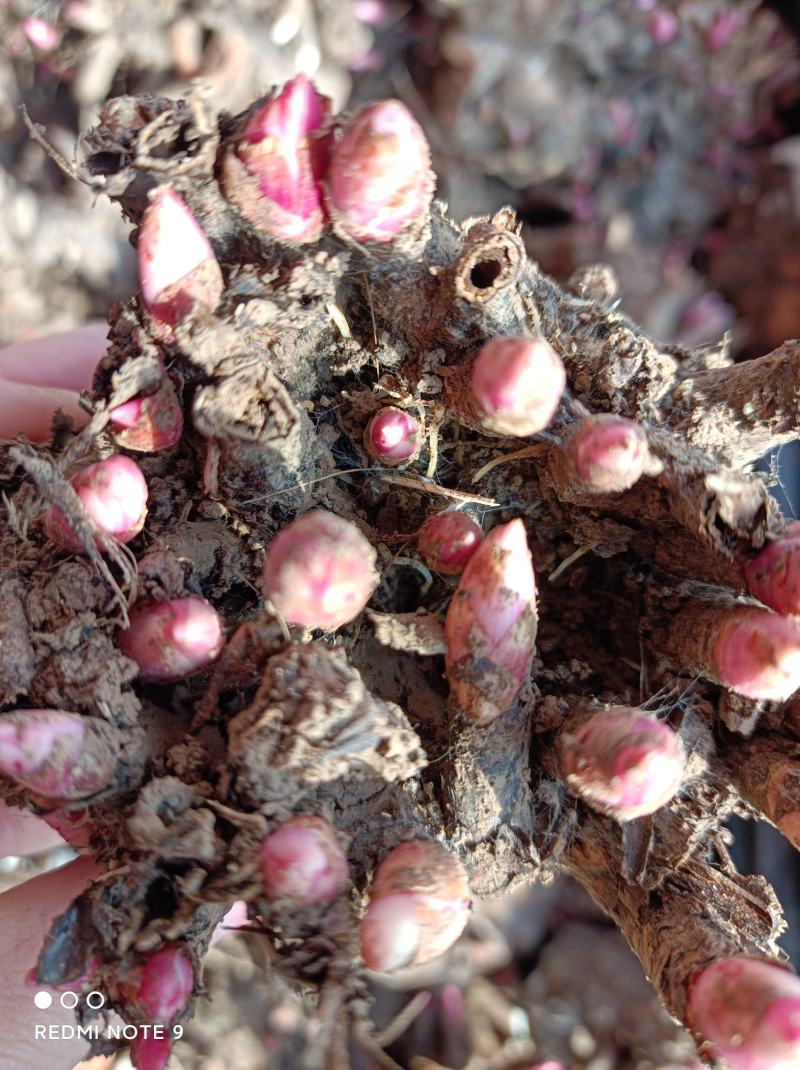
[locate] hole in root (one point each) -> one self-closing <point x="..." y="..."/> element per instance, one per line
<point x="485" y="273"/>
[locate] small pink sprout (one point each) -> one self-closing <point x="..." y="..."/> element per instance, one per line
<point x="757" y="654"/>
<point x="114" y="494"/>
<point x="419" y="905"/>
<point x="393" y="436"/>
<point x="149" y="423"/>
<point x="379" y="181"/>
<point x="608" y="452"/>
<point x="624" y="763"/>
<point x="749" y="1010"/>
<point x="150" y="1052"/>
<point x="177" y="266"/>
<point x="773" y="577"/>
<point x="165" y="985"/>
<point x="70" y="825"/>
<point x="490" y="626"/>
<point x="664" y="26"/>
<point x="273" y="173"/>
<point x="320" y="571"/>
<point x="724" y="27"/>
<point x="448" y="540"/>
<point x="170" y="640"/>
<point x="303" y="861"/>
<point x="56" y="754"/>
<point x="517" y="385"/>
<point x="41" y="34"/>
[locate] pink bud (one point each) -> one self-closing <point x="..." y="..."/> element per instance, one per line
<point x="757" y="654"/>
<point x="419" y="905"/>
<point x="150" y="1052"/>
<point x="57" y="754"/>
<point x="320" y="571"/>
<point x="113" y="493"/>
<point x="380" y="180"/>
<point x="304" y="862"/>
<point x="167" y="980"/>
<point x="149" y="423"/>
<point x="169" y="640"/>
<point x="490" y="626"/>
<point x="749" y="1010"/>
<point x="774" y="576"/>
<point x="608" y="452"/>
<point x="623" y="763"/>
<point x="664" y="26"/>
<point x="41" y="34"/>
<point x="448" y="540"/>
<point x="517" y="384"/>
<point x="724" y="27"/>
<point x="393" y="436"/>
<point x="273" y="172"/>
<point x="177" y="266"/>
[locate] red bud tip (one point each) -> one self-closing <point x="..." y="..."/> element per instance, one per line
<point x="724" y="27"/>
<point x="177" y="266"/>
<point x="624" y="763"/>
<point x="516" y="386"/>
<point x="320" y="571"/>
<point x="170" y="640"/>
<point x="774" y="576"/>
<point x="150" y="423"/>
<point x="113" y="493"/>
<point x="304" y="862"/>
<point x="150" y="1053"/>
<point x="749" y="1010"/>
<point x="167" y="980"/>
<point x="393" y="436"/>
<point x="379" y="181"/>
<point x="273" y="173"/>
<point x="608" y="452"/>
<point x="448" y="540"/>
<point x="490" y="626"/>
<point x="418" y="908"/>
<point x="757" y="654"/>
<point x="57" y="754"/>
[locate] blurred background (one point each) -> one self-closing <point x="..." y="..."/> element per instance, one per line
<point x="661" y="137"/>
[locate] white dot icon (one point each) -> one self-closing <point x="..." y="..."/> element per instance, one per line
<point x="42" y="1000"/>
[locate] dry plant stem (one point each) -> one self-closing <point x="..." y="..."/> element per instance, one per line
<point x="698" y="914"/>
<point x="766" y="771"/>
<point x="751" y="406"/>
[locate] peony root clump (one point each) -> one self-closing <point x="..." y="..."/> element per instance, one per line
<point x="282" y="664"/>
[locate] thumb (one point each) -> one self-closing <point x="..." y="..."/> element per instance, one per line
<point x="26" y="913"/>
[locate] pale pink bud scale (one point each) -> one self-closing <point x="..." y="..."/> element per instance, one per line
<point x="609" y="452"/>
<point x="419" y="905"/>
<point x="52" y="753"/>
<point x="624" y="763"/>
<point x="393" y="436"/>
<point x="177" y="266"/>
<point x="273" y="173"/>
<point x="149" y="423"/>
<point x="490" y="626"/>
<point x="304" y="862"/>
<point x="749" y="1010"/>
<point x="516" y="385"/>
<point x="379" y="181"/>
<point x="167" y="980"/>
<point x="664" y="26"/>
<point x="114" y="494"/>
<point x="320" y="571"/>
<point x="169" y="640"/>
<point x="757" y="654"/>
<point x="774" y="576"/>
<point x="448" y="541"/>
